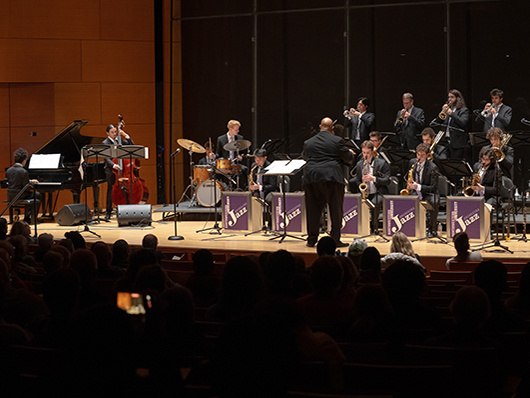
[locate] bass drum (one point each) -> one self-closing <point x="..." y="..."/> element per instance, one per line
<point x="208" y="191"/>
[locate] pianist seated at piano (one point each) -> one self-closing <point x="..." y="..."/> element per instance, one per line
<point x="112" y="139"/>
<point x="17" y="178"/>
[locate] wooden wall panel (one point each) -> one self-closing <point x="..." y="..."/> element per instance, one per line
<point x="20" y="137"/>
<point x="118" y="61"/>
<point x="4" y="18"/>
<point x="127" y="20"/>
<point x="135" y="101"/>
<point x="27" y="60"/>
<point x="4" y="105"/>
<point x="75" y="101"/>
<point x="56" y="19"/>
<point x="32" y="104"/>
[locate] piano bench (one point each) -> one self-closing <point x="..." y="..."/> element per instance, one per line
<point x="14" y="211"/>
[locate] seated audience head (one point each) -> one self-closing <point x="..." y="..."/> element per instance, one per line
<point x="18" y="228"/>
<point x="63" y="251"/>
<point x="326" y="276"/>
<point x="404" y="282"/>
<point x="85" y="263"/>
<point x="52" y="261"/>
<point x="3" y="228"/>
<point x="60" y="291"/>
<point x="20" y="244"/>
<point x="349" y="275"/>
<point x="150" y="241"/>
<point x="179" y="310"/>
<point x="279" y="273"/>
<point x="401" y="244"/>
<point x="77" y="239"/>
<point x="151" y="279"/>
<point x="10" y="251"/>
<point x="103" y="254"/>
<point x="461" y="242"/>
<point x="491" y="276"/>
<point x="203" y="262"/>
<point x="139" y="259"/>
<point x="371" y="301"/>
<point x="67" y="244"/>
<point x="45" y="241"/>
<point x="120" y="253"/>
<point x="355" y="251"/>
<point x="326" y="246"/>
<point x="470" y="307"/>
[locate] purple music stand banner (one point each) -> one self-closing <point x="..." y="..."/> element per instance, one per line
<point x="401" y="216"/>
<point x="235" y="212"/>
<point x="464" y="216"/>
<point x="293" y="205"/>
<point x="350" y="218"/>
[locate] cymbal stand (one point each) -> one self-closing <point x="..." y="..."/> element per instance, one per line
<point x="191" y="185"/>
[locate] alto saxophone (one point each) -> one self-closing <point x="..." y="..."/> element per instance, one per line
<point x="251" y="178"/>
<point x="475" y="180"/>
<point x="410" y="180"/>
<point x="363" y="186"/>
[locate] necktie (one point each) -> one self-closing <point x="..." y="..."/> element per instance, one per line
<point x="418" y="178"/>
<point x="260" y="183"/>
<point x="231" y="156"/>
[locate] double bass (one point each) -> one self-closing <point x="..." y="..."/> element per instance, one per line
<point x="129" y="187"/>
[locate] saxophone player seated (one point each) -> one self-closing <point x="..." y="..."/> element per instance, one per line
<point x="375" y="173"/>
<point x="261" y="186"/>
<point x="487" y="177"/>
<point x="423" y="181"/>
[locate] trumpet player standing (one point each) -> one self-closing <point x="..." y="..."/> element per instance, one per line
<point x="360" y="120"/>
<point x="453" y="118"/>
<point x="495" y="135"/>
<point x="496" y="114"/>
<point x="425" y="185"/>
<point x="410" y="120"/>
<point x="375" y="173"/>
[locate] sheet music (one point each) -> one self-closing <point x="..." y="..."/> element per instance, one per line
<point x="44" y="161"/>
<point x="284" y="167"/>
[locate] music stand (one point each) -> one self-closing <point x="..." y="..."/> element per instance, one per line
<point x="93" y="152"/>
<point x="521" y="139"/>
<point x="131" y="152"/>
<point x="401" y="158"/>
<point x="454" y="168"/>
<point x="284" y="168"/>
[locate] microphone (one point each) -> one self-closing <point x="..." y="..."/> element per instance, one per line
<point x="176" y="151"/>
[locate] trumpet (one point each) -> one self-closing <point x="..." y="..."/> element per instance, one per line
<point x="410" y="180"/>
<point x="401" y="119"/>
<point x="349" y="113"/>
<point x="363" y="187"/>
<point x="443" y="114"/>
<point x="488" y="110"/>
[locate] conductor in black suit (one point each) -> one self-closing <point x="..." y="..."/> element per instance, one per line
<point x="361" y="121"/>
<point x="375" y="172"/>
<point x="17" y="178"/>
<point x="410" y="121"/>
<point x="112" y="139"/>
<point x="454" y="121"/>
<point x="324" y="180"/>
<point x="497" y="114"/>
<point x="425" y="185"/>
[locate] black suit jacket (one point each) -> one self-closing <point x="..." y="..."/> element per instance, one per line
<point x="489" y="179"/>
<point x="429" y="178"/>
<point x="381" y="172"/>
<point x="504" y="116"/>
<point x="17" y="178"/>
<point x="325" y="154"/>
<point x="411" y="127"/>
<point x="367" y="120"/>
<point x="458" y="119"/>
<point x="109" y="164"/>
<point x="222" y="140"/>
<point x="270" y="183"/>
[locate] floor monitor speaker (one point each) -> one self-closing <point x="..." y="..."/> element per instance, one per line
<point x="73" y="214"/>
<point x="134" y="214"/>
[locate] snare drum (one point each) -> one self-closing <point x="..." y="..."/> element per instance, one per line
<point x="207" y="192"/>
<point x="224" y="164"/>
<point x="201" y="173"/>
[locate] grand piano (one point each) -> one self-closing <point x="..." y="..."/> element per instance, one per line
<point x="68" y="143"/>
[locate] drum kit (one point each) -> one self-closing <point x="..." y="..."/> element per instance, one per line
<point x="204" y="179"/>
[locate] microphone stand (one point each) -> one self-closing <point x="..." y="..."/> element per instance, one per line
<point x="496" y="242"/>
<point x="176" y="236"/>
<point x="216" y="229"/>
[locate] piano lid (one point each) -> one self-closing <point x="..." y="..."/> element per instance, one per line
<point x="68" y="142"/>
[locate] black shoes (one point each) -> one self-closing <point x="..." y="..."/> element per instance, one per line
<point x="310" y="244"/>
<point x="342" y="244"/>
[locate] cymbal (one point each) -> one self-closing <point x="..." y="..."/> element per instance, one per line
<point x="237" y="145"/>
<point x="189" y="144"/>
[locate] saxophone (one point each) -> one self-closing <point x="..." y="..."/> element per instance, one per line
<point x="475" y="180"/>
<point x="251" y="178"/>
<point x="363" y="187"/>
<point x="410" y="180"/>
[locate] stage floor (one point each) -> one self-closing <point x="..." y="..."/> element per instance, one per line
<point x="434" y="253"/>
